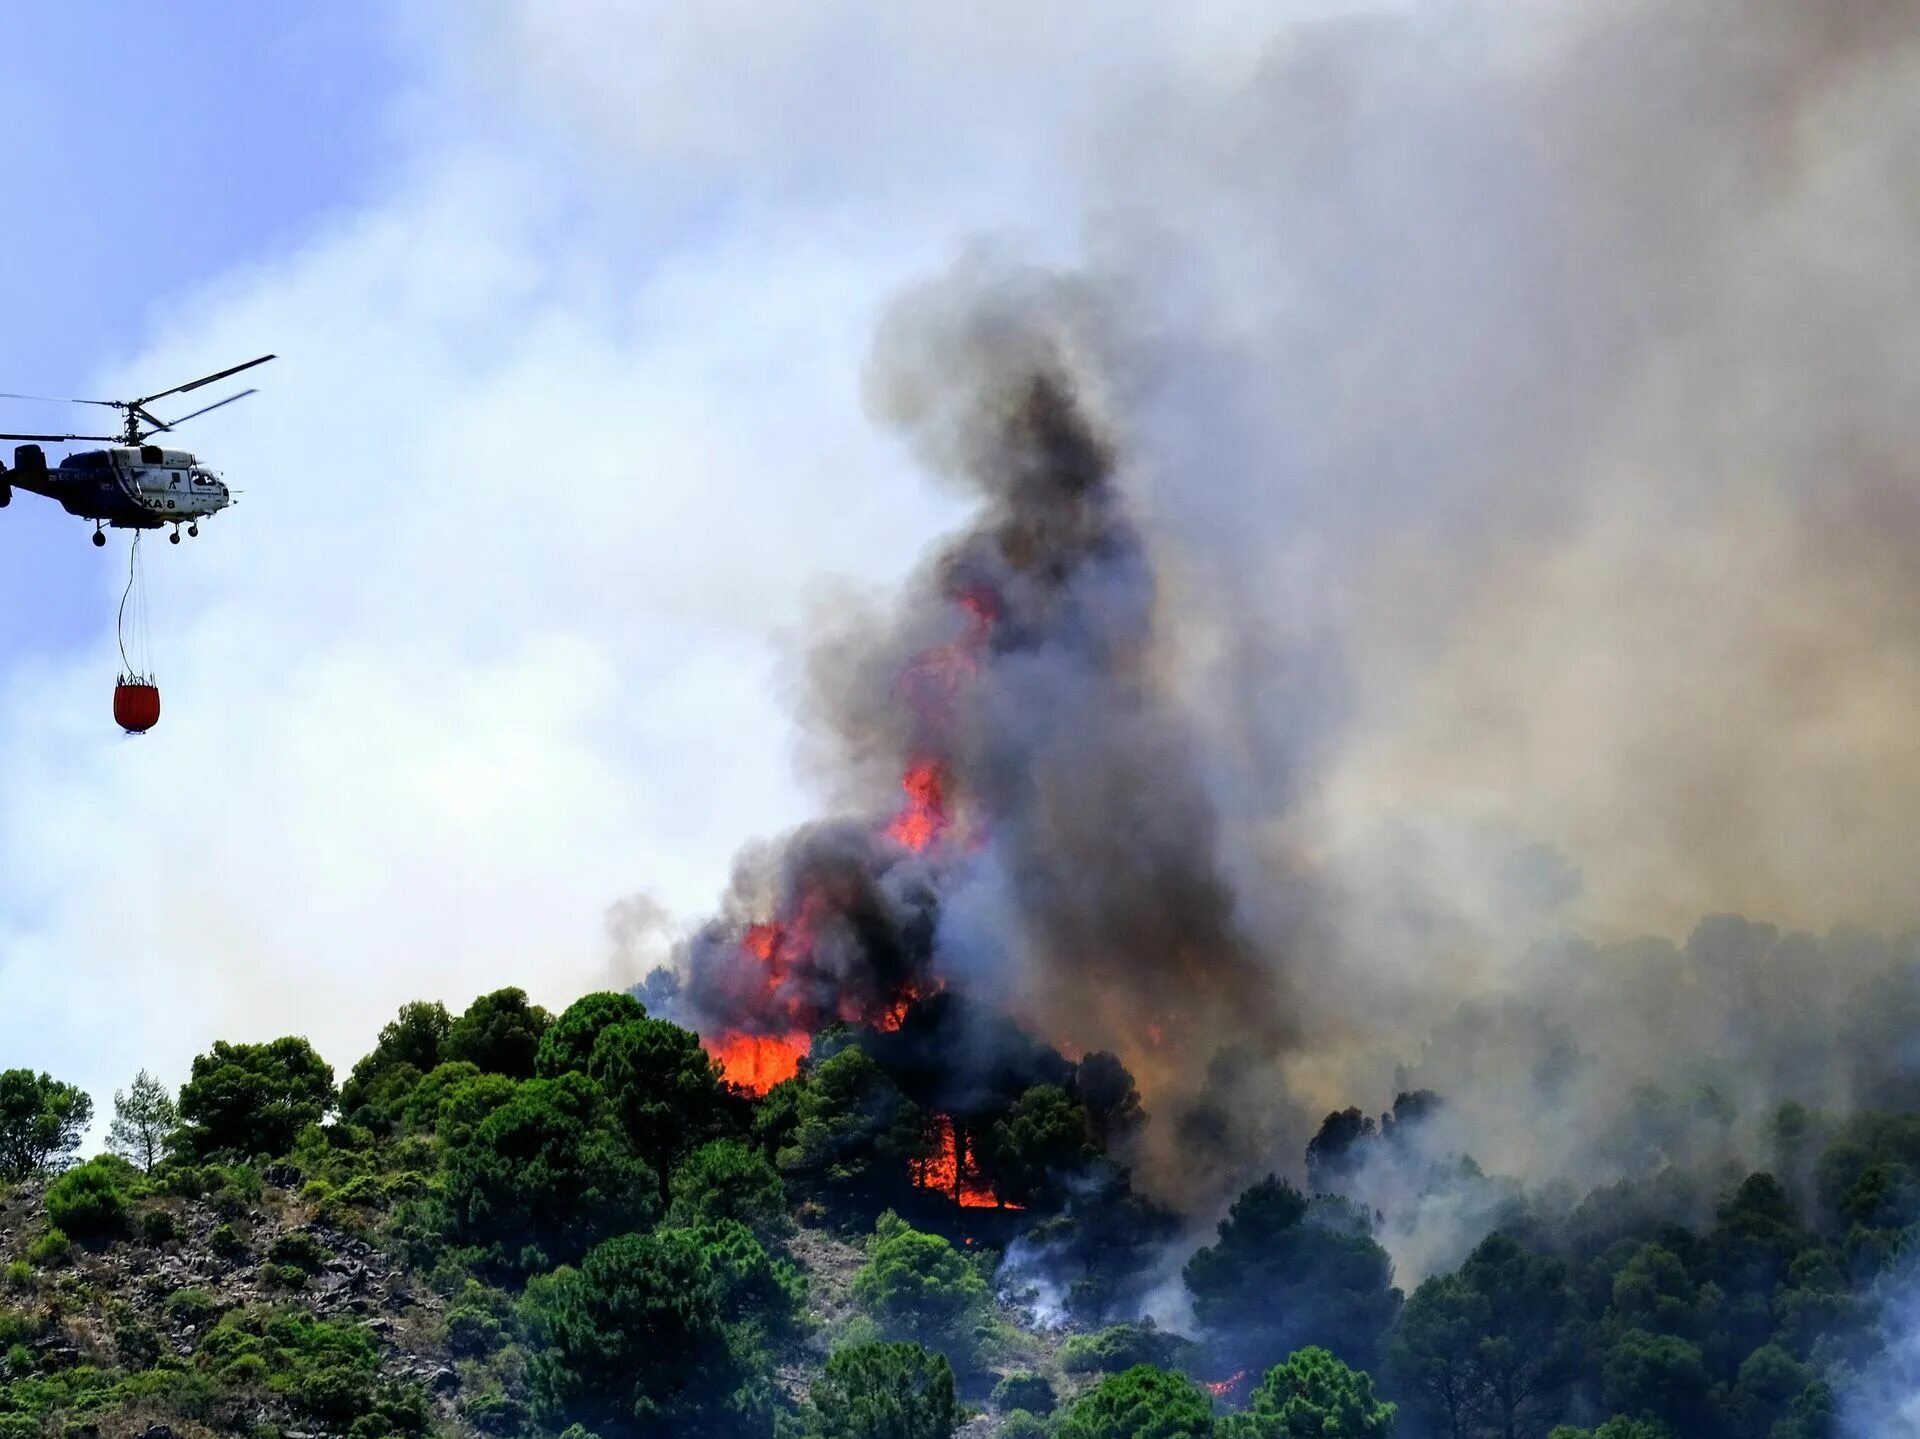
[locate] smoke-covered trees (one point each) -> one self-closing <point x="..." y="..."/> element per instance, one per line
<point x="1120" y="1347"/>
<point x="1311" y="1396"/>
<point x="850" y="1134"/>
<point x="41" y="1121"/>
<point x="1141" y="1403"/>
<point x="248" y="1100"/>
<point x="1105" y="1088"/>
<point x="1618" y="1427"/>
<point x="883" y="1391"/>
<point x="544" y="1177"/>
<point x="1525" y="1348"/>
<point x="1287" y="1272"/>
<point x="1434" y="1356"/>
<point x="144" y="1119"/>
<point x="1042" y="1143"/>
<point x="636" y="1344"/>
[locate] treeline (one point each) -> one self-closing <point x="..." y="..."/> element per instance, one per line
<point x="616" y="1232"/>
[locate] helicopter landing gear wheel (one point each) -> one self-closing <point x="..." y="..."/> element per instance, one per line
<point x="174" y="538"/>
<point x="194" y="530"/>
<point x="100" y="537"/>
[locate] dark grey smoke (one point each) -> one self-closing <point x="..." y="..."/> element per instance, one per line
<point x="1068" y="870"/>
<point x="1467" y="498"/>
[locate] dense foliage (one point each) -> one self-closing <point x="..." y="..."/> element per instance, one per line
<point x="1140" y="1403"/>
<point x="250" y="1100"/>
<point x="883" y="1391"/>
<point x="1289" y="1271"/>
<point x="618" y="1243"/>
<point x="41" y="1121"/>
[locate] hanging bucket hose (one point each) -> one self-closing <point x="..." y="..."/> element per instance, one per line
<point x="136" y="698"/>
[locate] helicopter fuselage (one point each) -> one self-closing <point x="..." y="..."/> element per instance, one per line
<point x="141" y="487"/>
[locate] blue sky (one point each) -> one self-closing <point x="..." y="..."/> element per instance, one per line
<point x="146" y="154"/>
<point x="149" y="152"/>
<point x="566" y="429"/>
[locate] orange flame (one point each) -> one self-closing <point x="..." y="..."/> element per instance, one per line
<point x="757" y="1062"/>
<point x="943" y="1171"/>
<point x="1220" y="1388"/>
<point x="924" y="819"/>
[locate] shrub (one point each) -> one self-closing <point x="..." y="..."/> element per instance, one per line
<point x="137" y="1345"/>
<point x="472" y="1333"/>
<point x="497" y="1414"/>
<point x="88" y="1201"/>
<point x="190" y="1306"/>
<point x="917" y="1284"/>
<point x="1120" y="1347"/>
<point x="158" y="1227"/>
<point x="884" y="1391"/>
<point x="282" y="1276"/>
<point x="184" y="1181"/>
<point x="19" y="1275"/>
<point x="1021" y="1425"/>
<point x="328" y="1372"/>
<point x="1032" y="1392"/>
<point x="299" y="1251"/>
<point x="225" y="1241"/>
<point x="234" y="1189"/>
<point x="1141" y="1401"/>
<point x="16" y="1326"/>
<point x="49" y="1248"/>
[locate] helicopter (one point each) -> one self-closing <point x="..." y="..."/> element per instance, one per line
<point x="133" y="485"/>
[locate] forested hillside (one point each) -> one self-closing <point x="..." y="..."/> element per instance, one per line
<point x="515" y="1224"/>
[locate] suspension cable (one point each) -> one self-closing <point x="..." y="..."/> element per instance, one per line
<point x="133" y="572"/>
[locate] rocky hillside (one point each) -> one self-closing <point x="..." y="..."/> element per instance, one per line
<point x="252" y="1308"/>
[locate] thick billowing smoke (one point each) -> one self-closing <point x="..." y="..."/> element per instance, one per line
<point x="1055" y="847"/>
<point x="1530" y="421"/>
<point x="1466" y="498"/>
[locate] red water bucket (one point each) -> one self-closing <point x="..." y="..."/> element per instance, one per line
<point x="136" y="705"/>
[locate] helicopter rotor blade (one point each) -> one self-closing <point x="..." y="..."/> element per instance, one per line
<point x="203" y="380"/>
<point x="168" y="425"/>
<point x="58" y="399"/>
<point x="58" y="439"/>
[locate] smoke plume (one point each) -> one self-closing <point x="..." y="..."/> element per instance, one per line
<point x="1455" y="523"/>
